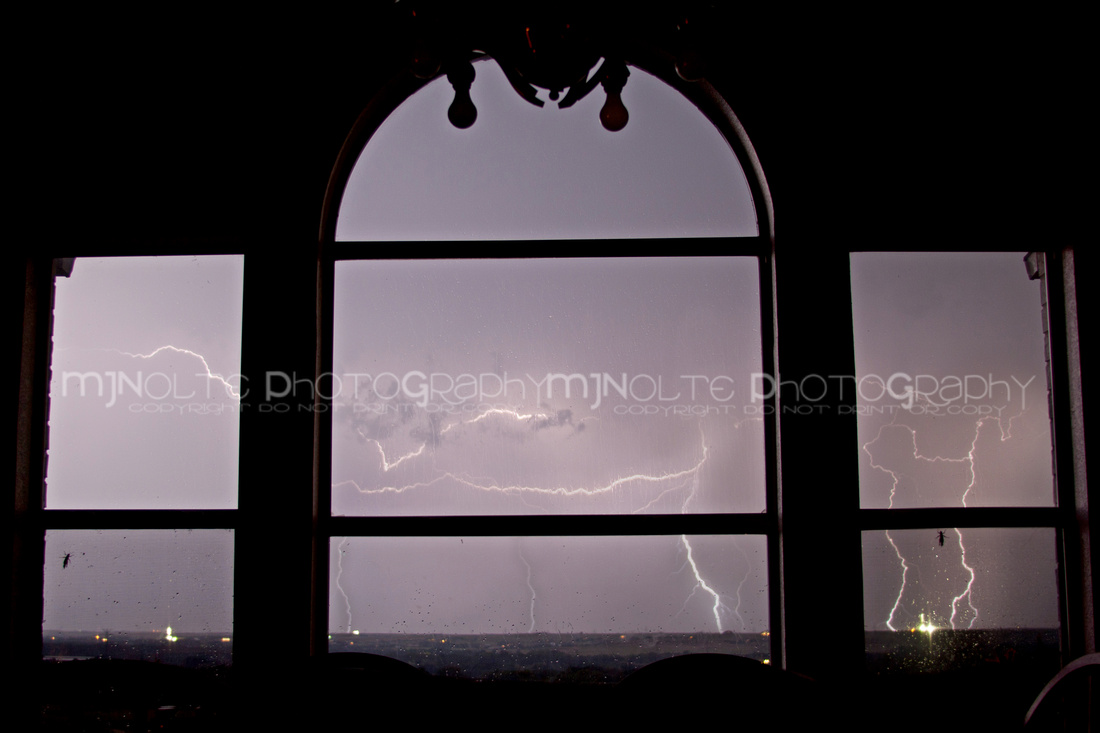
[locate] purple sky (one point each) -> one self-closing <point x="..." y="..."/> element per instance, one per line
<point x="140" y="413"/>
<point x="684" y="333"/>
<point x="524" y="172"/>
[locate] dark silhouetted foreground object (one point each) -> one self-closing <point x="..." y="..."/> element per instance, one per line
<point x="744" y="689"/>
<point x="1069" y="700"/>
<point x="125" y="694"/>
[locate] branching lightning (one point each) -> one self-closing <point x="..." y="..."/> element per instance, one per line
<point x="516" y="489"/>
<point x="209" y="374"/>
<point x="684" y="482"/>
<point x="969" y="587"/>
<point x="700" y="581"/>
<point x="386" y="464"/>
<point x="969" y="461"/>
<point x="701" y="584"/>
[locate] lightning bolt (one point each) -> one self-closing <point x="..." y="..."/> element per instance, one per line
<point x="969" y="586"/>
<point x="969" y="460"/>
<point x="684" y="481"/>
<point x="524" y="489"/>
<point x="688" y="473"/>
<point x="514" y="489"/>
<point x="339" y="576"/>
<point x="701" y="584"/>
<point x="207" y="372"/>
<point x="531" y="588"/>
<point x="386" y="464"/>
<point x="904" y="577"/>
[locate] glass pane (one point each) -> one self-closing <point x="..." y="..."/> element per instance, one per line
<point x="524" y="172"/>
<point x="952" y="387"/>
<point x="153" y="595"/>
<point x="938" y="599"/>
<point x="547" y="386"/>
<point x="538" y="607"/>
<point x="144" y="394"/>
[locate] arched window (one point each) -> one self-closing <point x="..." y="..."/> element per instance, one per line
<point x="522" y="172"/>
<point x="532" y="433"/>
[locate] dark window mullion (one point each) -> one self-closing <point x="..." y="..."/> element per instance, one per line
<point x="28" y="547"/>
<point x="771" y="448"/>
<point x="140" y="519"/>
<point x="322" y="491"/>
<point x="941" y="517"/>
<point x="549" y="526"/>
<point x="931" y="246"/>
<point x="188" y="247"/>
<point x="1075" y="574"/>
<point x="756" y="246"/>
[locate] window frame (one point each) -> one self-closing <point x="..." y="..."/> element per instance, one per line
<point x="327" y="526"/>
<point x="32" y="519"/>
<point x="1073" y="564"/>
<point x="557" y="525"/>
<point x="270" y="315"/>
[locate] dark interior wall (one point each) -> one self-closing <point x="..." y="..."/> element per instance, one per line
<point x="899" y="129"/>
<point x="872" y="132"/>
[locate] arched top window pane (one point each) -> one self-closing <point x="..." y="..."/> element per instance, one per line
<point x="524" y="172"/>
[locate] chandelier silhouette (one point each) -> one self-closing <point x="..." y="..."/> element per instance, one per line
<point x="542" y="50"/>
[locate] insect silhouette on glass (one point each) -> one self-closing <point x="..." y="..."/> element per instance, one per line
<point x="65" y="560"/>
<point x="941" y="538"/>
